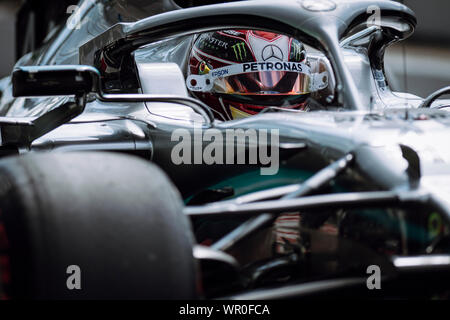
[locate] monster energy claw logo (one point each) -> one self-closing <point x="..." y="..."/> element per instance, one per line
<point x="240" y="51"/>
<point x="297" y="52"/>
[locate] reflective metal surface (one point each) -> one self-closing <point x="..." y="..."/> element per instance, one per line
<point x="370" y="213"/>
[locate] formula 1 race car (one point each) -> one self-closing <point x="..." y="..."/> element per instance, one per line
<point x="243" y="150"/>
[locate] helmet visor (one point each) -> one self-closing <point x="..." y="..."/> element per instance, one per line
<point x="264" y="83"/>
<point x="259" y="79"/>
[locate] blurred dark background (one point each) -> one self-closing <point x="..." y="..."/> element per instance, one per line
<point x="8" y="10"/>
<point x="419" y="65"/>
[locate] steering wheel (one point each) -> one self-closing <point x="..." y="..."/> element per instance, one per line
<point x="431" y="98"/>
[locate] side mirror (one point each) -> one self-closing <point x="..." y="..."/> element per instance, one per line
<point x="80" y="80"/>
<point x="55" y="81"/>
<point x="36" y="81"/>
<point x="73" y="80"/>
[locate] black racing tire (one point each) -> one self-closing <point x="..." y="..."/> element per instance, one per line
<point x="118" y="218"/>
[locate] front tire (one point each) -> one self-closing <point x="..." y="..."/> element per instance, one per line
<point x="117" y="218"/>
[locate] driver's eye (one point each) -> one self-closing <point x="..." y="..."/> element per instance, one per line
<point x="302" y="55"/>
<point x="249" y="83"/>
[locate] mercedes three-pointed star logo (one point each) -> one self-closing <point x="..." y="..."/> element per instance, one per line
<point x="272" y="51"/>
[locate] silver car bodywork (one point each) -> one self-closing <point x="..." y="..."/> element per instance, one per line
<point x="397" y="147"/>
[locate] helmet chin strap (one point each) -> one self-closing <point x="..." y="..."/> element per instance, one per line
<point x="224" y="108"/>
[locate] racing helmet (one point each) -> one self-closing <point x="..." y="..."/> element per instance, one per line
<point x="239" y="73"/>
